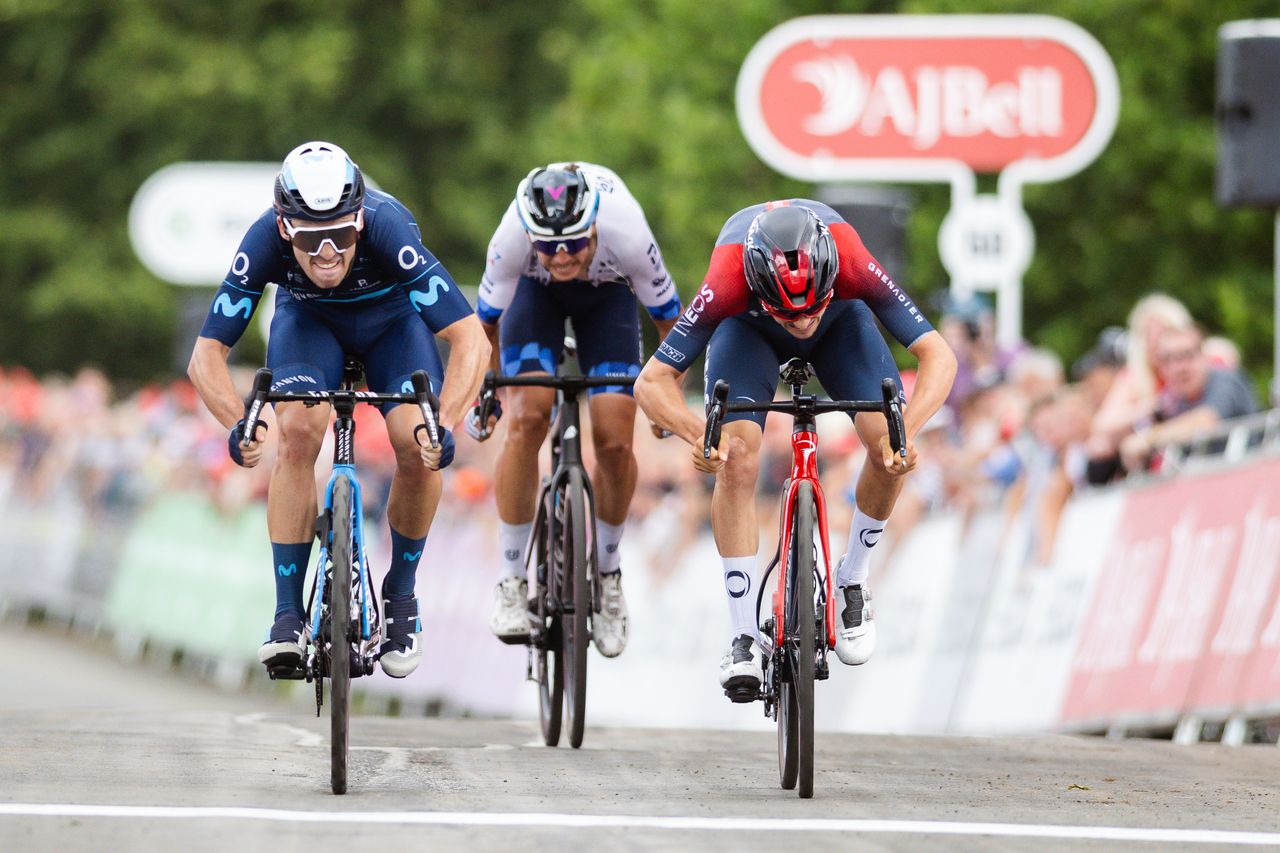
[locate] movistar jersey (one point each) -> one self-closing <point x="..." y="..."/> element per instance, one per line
<point x="390" y="263"/>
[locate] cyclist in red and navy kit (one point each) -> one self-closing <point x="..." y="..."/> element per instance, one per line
<point x="355" y="280"/>
<point x="793" y="279"/>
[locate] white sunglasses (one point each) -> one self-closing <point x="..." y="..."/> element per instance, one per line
<point x="312" y="239"/>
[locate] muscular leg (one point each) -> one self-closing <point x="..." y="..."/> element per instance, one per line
<point x="733" y="505"/>
<point x="415" y="489"/>
<point x="516" y="472"/>
<point x="291" y="500"/>
<point x="876" y="494"/>
<point x="613" y="418"/>
<point x="291" y="495"/>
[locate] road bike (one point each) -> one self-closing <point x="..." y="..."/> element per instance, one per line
<point x="561" y="551"/>
<point x="344" y="629"/>
<point x="801" y="628"/>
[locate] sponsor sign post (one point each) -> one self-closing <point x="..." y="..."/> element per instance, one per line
<point x="936" y="98"/>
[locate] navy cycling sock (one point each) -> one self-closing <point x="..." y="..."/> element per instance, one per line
<point x="291" y="561"/>
<point x="405" y="553"/>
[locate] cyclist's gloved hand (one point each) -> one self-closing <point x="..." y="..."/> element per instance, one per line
<point x="245" y="457"/>
<point x="473" y="420"/>
<point x="436" y="458"/>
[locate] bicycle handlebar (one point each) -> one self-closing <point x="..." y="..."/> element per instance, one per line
<point x="493" y="381"/>
<point x="719" y="406"/>
<point x="421" y="395"/>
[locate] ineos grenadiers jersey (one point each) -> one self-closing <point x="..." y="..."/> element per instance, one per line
<point x="724" y="292"/>
<point x="626" y="251"/>
<point x="390" y="263"/>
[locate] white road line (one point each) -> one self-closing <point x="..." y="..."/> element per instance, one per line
<point x="728" y="824"/>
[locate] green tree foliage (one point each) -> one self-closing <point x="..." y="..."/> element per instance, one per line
<point x="447" y="107"/>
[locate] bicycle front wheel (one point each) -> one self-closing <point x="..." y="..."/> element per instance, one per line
<point x="795" y="717"/>
<point x="578" y="590"/>
<point x="340" y="631"/>
<point x="550" y="654"/>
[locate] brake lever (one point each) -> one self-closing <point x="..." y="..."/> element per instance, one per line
<point x="893" y="415"/>
<point x="715" y="416"/>
<point x="253" y="405"/>
<point x="429" y="405"/>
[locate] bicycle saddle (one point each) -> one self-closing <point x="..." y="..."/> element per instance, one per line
<point x="352" y="371"/>
<point x="797" y="371"/>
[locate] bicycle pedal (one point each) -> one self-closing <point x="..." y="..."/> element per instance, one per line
<point x="515" y="639"/>
<point x="742" y="689"/>
<point x="286" y="672"/>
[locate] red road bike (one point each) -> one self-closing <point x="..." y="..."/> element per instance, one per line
<point x="802" y="626"/>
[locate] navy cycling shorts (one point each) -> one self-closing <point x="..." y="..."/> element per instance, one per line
<point x="310" y="341"/>
<point x="606" y="326"/>
<point x="848" y="353"/>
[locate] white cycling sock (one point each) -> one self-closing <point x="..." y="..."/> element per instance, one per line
<point x="608" y="537"/>
<point x="740" y="589"/>
<point x="864" y="533"/>
<point x="511" y="540"/>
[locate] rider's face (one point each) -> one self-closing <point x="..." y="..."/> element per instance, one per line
<point x="566" y="267"/>
<point x="802" y="327"/>
<point x="328" y="267"/>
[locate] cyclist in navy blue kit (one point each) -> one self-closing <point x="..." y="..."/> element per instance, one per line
<point x="355" y="281"/>
<point x="793" y="279"/>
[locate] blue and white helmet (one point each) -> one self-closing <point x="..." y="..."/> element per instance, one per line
<point x="557" y="201"/>
<point x="318" y="182"/>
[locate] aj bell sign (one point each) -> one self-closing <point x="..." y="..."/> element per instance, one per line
<point x="908" y="98"/>
<point x="936" y="98"/>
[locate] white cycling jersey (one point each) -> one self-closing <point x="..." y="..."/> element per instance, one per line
<point x="626" y="251"/>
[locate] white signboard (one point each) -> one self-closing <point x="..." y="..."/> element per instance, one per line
<point x="188" y="219"/>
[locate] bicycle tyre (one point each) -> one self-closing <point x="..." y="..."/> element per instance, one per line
<point x="340" y="632"/>
<point x="805" y="627"/>
<point x="550" y="655"/>
<point x="576" y="640"/>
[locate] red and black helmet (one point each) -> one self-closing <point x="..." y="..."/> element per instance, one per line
<point x="790" y="261"/>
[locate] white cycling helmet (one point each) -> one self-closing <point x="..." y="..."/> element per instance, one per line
<point x="557" y="201"/>
<point x="318" y="182"/>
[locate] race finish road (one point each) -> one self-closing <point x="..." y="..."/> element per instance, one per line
<point x="99" y="754"/>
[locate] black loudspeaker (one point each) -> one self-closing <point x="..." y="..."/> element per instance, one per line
<point x="880" y="216"/>
<point x="1248" y="114"/>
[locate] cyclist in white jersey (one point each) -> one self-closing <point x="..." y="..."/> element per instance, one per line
<point x="574" y="244"/>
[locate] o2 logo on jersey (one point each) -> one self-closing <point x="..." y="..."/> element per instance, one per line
<point x="425" y="299"/>
<point x="224" y="306"/>
<point x="240" y="267"/>
<point x="409" y="258"/>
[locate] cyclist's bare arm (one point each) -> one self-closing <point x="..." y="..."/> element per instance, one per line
<point x="491" y="334"/>
<point x="658" y="392"/>
<point x="469" y="357"/>
<point x="936" y="372"/>
<point x="208" y="372"/>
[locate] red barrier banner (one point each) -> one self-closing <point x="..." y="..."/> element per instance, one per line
<point x="1178" y="610"/>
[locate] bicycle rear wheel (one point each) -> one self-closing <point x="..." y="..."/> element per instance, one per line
<point x="550" y="655"/>
<point x="578" y="589"/>
<point x="795" y="711"/>
<point x="340" y="632"/>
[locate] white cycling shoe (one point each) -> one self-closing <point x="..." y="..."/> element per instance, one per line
<point x="609" y="627"/>
<point x="742" y="669"/>
<point x="856" y="639"/>
<point x="509" y="620"/>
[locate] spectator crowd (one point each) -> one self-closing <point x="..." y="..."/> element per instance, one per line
<point x="1019" y="431"/>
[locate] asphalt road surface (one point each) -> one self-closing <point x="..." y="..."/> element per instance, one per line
<point x="96" y="754"/>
